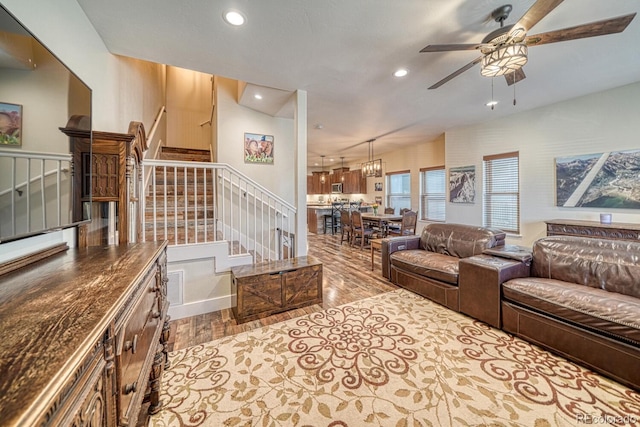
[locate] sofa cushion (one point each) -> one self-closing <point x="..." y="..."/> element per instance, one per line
<point x="607" y="312"/>
<point x="428" y="264"/>
<point x="611" y="265"/>
<point x="459" y="240"/>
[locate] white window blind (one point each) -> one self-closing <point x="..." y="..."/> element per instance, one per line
<point x="399" y="190"/>
<point x="432" y="193"/>
<point x="502" y="192"/>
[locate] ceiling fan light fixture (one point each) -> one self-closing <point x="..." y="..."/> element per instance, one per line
<point x="504" y="60"/>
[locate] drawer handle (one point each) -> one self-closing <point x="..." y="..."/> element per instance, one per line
<point x="130" y="388"/>
<point x="131" y="344"/>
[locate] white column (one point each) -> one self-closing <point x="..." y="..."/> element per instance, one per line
<point x="300" y="129"/>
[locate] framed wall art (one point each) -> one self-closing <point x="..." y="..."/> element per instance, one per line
<point x="258" y="148"/>
<point x="600" y="180"/>
<point x="462" y="184"/>
<point x="10" y="124"/>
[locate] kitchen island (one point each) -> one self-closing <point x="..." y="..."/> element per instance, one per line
<point x="316" y="213"/>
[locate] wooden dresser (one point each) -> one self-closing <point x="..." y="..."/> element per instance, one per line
<point x="615" y="231"/>
<point x="82" y="337"/>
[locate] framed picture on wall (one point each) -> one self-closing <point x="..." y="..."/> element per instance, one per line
<point x="258" y="148"/>
<point x="599" y="180"/>
<point x="462" y="184"/>
<point x="10" y="124"/>
<point x="378" y="186"/>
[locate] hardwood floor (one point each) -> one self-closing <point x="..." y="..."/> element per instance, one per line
<point x="346" y="277"/>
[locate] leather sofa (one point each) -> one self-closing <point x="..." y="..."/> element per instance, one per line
<point x="581" y="299"/>
<point x="428" y="264"/>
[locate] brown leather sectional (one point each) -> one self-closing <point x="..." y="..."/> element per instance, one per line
<point x="428" y="264"/>
<point x="581" y="300"/>
<point x="576" y="296"/>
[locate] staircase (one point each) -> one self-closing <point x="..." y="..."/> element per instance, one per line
<point x="189" y="200"/>
<point x="174" y="208"/>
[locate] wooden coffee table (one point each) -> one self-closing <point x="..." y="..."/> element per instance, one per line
<point x="260" y="290"/>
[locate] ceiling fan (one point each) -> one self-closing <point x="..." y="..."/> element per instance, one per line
<point x="504" y="51"/>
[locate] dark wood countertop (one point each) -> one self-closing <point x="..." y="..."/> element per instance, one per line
<point x="51" y="314"/>
<point x="576" y="222"/>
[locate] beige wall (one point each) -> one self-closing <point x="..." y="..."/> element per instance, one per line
<point x="189" y="100"/>
<point x="605" y="121"/>
<point x="421" y="155"/>
<point x="233" y="120"/>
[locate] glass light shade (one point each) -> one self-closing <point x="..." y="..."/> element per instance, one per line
<point x="504" y="60"/>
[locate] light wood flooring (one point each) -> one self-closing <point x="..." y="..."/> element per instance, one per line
<point x="346" y="277"/>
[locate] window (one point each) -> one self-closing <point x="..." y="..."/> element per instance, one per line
<point x="399" y="190"/>
<point x="432" y="194"/>
<point x="502" y="192"/>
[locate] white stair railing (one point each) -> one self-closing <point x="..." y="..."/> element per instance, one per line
<point x="197" y="202"/>
<point x="35" y="191"/>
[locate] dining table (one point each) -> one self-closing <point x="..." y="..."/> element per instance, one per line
<point x="381" y="221"/>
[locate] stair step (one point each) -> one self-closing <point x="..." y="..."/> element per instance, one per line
<point x="180" y="199"/>
<point x="185" y="154"/>
<point x="171" y="176"/>
<point x="160" y="216"/>
<point x="177" y="189"/>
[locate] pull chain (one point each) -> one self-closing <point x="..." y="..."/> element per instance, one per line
<point x="514" y="89"/>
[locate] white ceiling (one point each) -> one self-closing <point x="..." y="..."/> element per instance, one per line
<point x="343" y="53"/>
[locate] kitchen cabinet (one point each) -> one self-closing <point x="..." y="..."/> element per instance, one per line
<point x="354" y="182"/>
<point x="315" y="184"/>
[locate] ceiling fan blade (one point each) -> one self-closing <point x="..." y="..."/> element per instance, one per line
<point x="456" y="73"/>
<point x="514" y="77"/>
<point x="592" y="29"/>
<point x="451" y="47"/>
<point x="539" y="10"/>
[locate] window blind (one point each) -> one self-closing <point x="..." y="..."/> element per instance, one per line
<point x="501" y="188"/>
<point x="399" y="190"/>
<point x="433" y="194"/>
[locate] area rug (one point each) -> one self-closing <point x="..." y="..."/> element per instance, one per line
<point x="395" y="359"/>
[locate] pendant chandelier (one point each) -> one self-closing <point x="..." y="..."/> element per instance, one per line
<point x="372" y="167"/>
<point x="322" y="177"/>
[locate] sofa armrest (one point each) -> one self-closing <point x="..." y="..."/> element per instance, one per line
<point x="394" y="244"/>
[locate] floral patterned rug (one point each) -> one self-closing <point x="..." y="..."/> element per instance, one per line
<point x="395" y="359"/>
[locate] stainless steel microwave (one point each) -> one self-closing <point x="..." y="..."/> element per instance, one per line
<point x="336" y="188"/>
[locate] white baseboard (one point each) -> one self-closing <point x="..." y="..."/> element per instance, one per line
<point x="199" y="307"/>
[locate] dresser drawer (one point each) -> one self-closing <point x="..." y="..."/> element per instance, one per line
<point x="138" y="343"/>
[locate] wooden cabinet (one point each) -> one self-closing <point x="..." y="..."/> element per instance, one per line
<point x="615" y="231"/>
<point x="83" y="337"/>
<point x="263" y="289"/>
<point x="317" y="185"/>
<point x="354" y="182"/>
<point x="107" y="172"/>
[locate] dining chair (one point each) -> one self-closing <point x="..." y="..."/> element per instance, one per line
<point x="359" y="229"/>
<point x="389" y="210"/>
<point x="345" y="228"/>
<point x="407" y="226"/>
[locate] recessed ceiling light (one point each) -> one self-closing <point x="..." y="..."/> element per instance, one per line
<point x="401" y="72"/>
<point x="257" y="96"/>
<point x="234" y="17"/>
